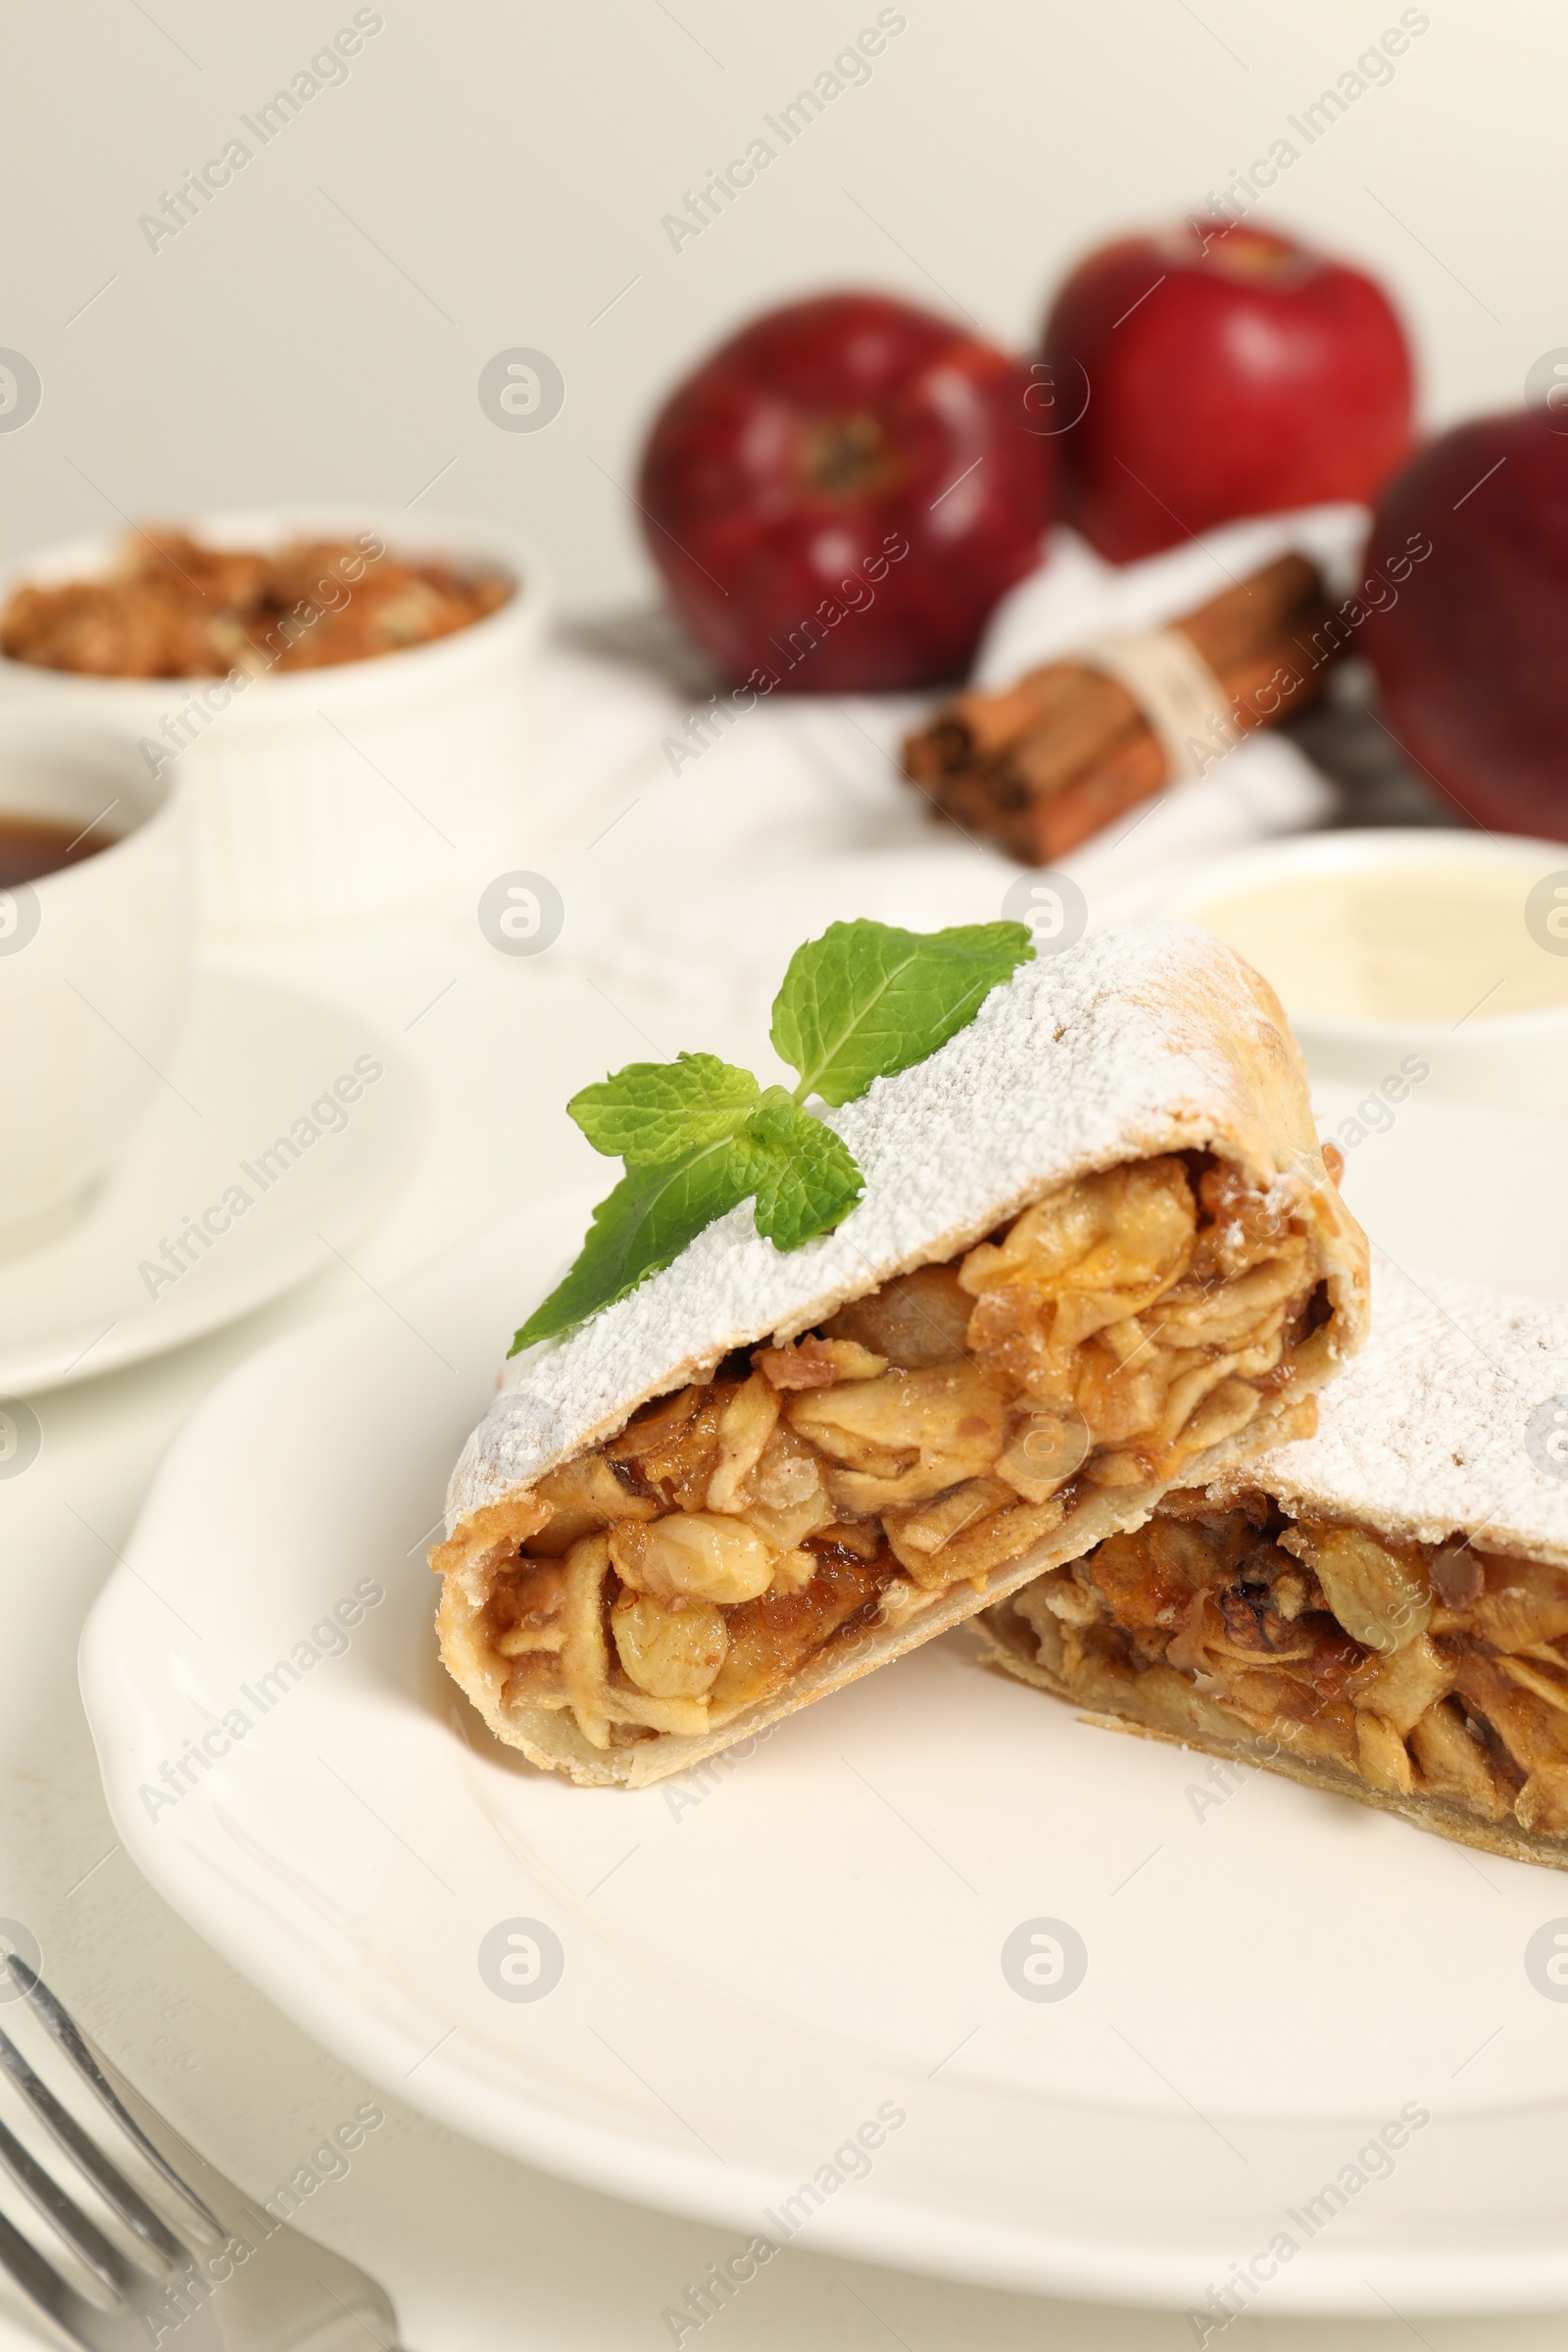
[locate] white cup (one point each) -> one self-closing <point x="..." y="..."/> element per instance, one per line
<point x="94" y="966"/>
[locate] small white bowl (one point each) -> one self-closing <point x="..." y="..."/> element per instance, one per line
<point x="341" y="793"/>
<point x="1518" y="1059"/>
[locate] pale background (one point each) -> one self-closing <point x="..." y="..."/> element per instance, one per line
<point x="492" y="177"/>
<point x="502" y="174"/>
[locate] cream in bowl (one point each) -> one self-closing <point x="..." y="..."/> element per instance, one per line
<point x="1450" y="948"/>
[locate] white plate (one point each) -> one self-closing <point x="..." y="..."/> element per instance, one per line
<point x="1445" y="1186"/>
<point x="227" y="1138"/>
<point x="757" y="1964"/>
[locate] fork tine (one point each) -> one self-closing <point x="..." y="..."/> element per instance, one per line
<point x="41" y="2283"/>
<point x="87" y="2241"/>
<point x="111" y="2183"/>
<point x="85" y="2059"/>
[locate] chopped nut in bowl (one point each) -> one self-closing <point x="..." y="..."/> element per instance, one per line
<point x="175" y="607"/>
<point x="352" y="695"/>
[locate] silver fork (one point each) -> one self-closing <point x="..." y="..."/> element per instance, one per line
<point x="194" y="2265"/>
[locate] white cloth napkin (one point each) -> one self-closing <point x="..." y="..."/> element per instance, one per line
<point x="699" y="876"/>
<point x="1079" y="595"/>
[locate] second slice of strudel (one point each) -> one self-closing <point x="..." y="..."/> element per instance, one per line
<point x="1381" y="1609"/>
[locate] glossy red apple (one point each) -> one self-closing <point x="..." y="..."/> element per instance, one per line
<point x="1471" y="646"/>
<point x="840" y="494"/>
<point x="1229" y="373"/>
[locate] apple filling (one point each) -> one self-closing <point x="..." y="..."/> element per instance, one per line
<point x="1422" y="1671"/>
<point x="925" y="1436"/>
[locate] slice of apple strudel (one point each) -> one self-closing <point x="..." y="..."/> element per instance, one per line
<point x="1097" y="1251"/>
<point x="1380" y="1611"/>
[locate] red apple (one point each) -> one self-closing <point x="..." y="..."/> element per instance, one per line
<point x="1470" y="644"/>
<point x="1229" y="373"/>
<point x="840" y="494"/>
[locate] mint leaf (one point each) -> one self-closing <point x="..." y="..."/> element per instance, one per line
<point x="699" y="1135"/>
<point x="644" y="1225"/>
<point x="865" y="1001"/>
<point x="803" y="1175"/>
<point x="652" y="1113"/>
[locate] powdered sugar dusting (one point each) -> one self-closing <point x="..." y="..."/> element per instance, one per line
<point x="1138" y="1041"/>
<point x="1430" y="1430"/>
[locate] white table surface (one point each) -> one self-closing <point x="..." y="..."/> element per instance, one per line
<point x="477" y="2251"/>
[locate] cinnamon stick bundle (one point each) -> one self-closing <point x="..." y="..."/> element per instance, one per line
<point x="1041" y="765"/>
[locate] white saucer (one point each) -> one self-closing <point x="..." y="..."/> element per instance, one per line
<point x="227" y="1138"/>
<point x="779" y="1995"/>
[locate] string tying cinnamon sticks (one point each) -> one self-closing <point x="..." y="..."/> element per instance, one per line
<point x="1041" y="765"/>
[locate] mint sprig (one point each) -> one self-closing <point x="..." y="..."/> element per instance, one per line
<point x="803" y="1175"/>
<point x="865" y="1001"/>
<point x="654" y="1112"/>
<point x="699" y="1136"/>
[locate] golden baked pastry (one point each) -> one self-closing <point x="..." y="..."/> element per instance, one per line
<point x="1381" y="1611"/>
<point x="1098" y="1252"/>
